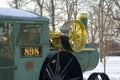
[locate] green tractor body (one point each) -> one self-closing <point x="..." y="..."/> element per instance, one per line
<point x="24" y="46"/>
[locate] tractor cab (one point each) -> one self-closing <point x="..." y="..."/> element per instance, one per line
<point x="24" y="43"/>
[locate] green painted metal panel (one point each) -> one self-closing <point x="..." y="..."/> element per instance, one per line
<point x="24" y="67"/>
<point x="88" y="59"/>
<point x="28" y="68"/>
<point x="85" y="21"/>
<point x="6" y="70"/>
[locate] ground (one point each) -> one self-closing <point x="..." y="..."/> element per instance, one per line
<point x="112" y="68"/>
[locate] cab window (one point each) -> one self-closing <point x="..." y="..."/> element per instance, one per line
<point x="6" y="49"/>
<point x="29" y="34"/>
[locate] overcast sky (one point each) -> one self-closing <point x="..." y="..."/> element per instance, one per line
<point x="3" y="3"/>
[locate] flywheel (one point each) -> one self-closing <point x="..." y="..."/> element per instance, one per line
<point x="73" y="35"/>
<point x="61" y="65"/>
<point x="96" y="76"/>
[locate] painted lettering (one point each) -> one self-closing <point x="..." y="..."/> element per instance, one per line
<point x="31" y="51"/>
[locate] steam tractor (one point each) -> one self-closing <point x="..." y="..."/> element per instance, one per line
<point x="29" y="50"/>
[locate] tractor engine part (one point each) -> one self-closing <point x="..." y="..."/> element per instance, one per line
<point x="72" y="36"/>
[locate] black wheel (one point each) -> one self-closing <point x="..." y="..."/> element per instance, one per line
<point x="94" y="76"/>
<point x="61" y="66"/>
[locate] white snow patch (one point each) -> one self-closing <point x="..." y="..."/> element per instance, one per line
<point x="16" y="13"/>
<point x="112" y="68"/>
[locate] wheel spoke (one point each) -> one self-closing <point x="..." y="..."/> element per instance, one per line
<point x="50" y="72"/>
<point x="57" y="69"/>
<point x="67" y="65"/>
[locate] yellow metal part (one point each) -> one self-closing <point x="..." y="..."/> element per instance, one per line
<point x="54" y="34"/>
<point x="89" y="49"/>
<point x="55" y="39"/>
<point x="81" y="15"/>
<point x="77" y="36"/>
<point x="76" y="33"/>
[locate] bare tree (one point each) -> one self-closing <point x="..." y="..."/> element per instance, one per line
<point x="15" y="4"/>
<point x="71" y="6"/>
<point x="18" y="3"/>
<point x="40" y="4"/>
<point x="52" y="14"/>
<point x="112" y="12"/>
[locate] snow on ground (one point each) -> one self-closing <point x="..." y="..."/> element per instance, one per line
<point x="112" y="68"/>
